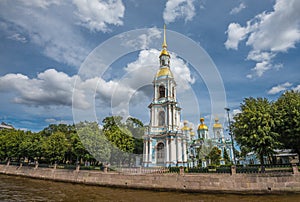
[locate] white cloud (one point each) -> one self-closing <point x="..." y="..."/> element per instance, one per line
<point x="176" y="9"/>
<point x="238" y="9"/>
<point x="17" y="37"/>
<point x="53" y="24"/>
<point x="41" y="3"/>
<point x="297" y="88"/>
<point x="279" y="88"/>
<point x="149" y="59"/>
<point x="236" y="33"/>
<point x="96" y="15"/>
<point x="53" y="88"/>
<point x="144" y="40"/>
<point x="56" y="36"/>
<point x="267" y="34"/>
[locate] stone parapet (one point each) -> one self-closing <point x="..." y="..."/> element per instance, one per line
<point x="202" y="182"/>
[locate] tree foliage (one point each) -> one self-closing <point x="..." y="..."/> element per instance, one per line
<point x="92" y="143"/>
<point x="215" y="156"/>
<point x="287" y="116"/>
<point x="254" y="127"/>
<point x="64" y="143"/>
<point x="226" y="156"/>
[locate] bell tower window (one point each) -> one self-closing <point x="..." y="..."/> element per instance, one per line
<point x="161" y="118"/>
<point x="162" y="91"/>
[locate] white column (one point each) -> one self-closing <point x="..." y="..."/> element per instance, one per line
<point x="146" y="151"/>
<point x="184" y="150"/>
<point x="173" y="154"/>
<point x="179" y="150"/>
<point x="167" y="150"/>
<point x="150" y="151"/>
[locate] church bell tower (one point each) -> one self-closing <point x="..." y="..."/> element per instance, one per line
<point x="164" y="143"/>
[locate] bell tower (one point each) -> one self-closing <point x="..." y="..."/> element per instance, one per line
<point x="164" y="143"/>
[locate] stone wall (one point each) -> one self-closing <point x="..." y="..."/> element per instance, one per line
<point x="219" y="183"/>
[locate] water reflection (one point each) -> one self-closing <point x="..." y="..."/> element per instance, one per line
<point x="24" y="189"/>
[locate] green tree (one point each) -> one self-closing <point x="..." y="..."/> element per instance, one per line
<point x="121" y="139"/>
<point x="287" y="118"/>
<point x="136" y="127"/>
<point x="226" y="156"/>
<point x="93" y="144"/>
<point x="55" y="147"/>
<point x="118" y="134"/>
<point x="254" y="127"/>
<point x="204" y="150"/>
<point x="215" y="156"/>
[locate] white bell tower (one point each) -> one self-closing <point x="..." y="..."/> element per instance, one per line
<point x="164" y="143"/>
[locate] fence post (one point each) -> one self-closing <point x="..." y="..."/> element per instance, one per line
<point x="233" y="170"/>
<point x="181" y="170"/>
<point x="295" y="169"/>
<point x="77" y="167"/>
<point x="36" y="165"/>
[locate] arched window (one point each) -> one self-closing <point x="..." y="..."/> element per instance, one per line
<point x="160" y="153"/>
<point x="161" y="118"/>
<point x="162" y="91"/>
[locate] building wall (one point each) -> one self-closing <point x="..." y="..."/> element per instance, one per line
<point x="219" y="183"/>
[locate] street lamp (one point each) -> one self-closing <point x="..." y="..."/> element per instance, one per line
<point x="230" y="133"/>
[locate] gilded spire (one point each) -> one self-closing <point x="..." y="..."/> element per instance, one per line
<point x="164" y="45"/>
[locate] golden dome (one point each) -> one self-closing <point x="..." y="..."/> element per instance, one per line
<point x="165" y="71"/>
<point x="185" y="128"/>
<point x="164" y="52"/>
<point x="217" y="124"/>
<point x="202" y="126"/>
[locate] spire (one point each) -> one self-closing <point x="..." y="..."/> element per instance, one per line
<point x="164" y="45"/>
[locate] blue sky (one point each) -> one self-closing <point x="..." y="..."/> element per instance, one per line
<point x="253" y="44"/>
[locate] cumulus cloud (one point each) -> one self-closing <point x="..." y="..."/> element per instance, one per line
<point x="96" y="15"/>
<point x="279" y="88"/>
<point x="238" y="9"/>
<point x="58" y="37"/>
<point x="236" y="33"/>
<point x="176" y="9"/>
<point x="17" y="37"/>
<point x="144" y="40"/>
<point x="41" y="3"/>
<point x="53" y="88"/>
<point x="297" y="88"/>
<point x="267" y="34"/>
<point x="148" y="60"/>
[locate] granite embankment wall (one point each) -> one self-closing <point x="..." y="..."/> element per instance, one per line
<point x="226" y="183"/>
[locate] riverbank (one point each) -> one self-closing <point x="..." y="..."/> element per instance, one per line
<point x="215" y="183"/>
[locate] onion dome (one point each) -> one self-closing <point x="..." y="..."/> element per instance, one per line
<point x="202" y="126"/>
<point x="164" y="72"/>
<point x="185" y="127"/>
<point x="217" y="124"/>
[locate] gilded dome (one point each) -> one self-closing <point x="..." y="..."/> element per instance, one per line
<point x="202" y="126"/>
<point x="217" y="124"/>
<point x="164" y="52"/>
<point x="165" y="71"/>
<point x="185" y="128"/>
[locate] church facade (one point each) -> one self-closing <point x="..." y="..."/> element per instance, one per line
<point x="164" y="143"/>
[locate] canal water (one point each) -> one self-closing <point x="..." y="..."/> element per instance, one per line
<point x="24" y="189"/>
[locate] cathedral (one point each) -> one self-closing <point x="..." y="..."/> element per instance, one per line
<point x="165" y="144"/>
